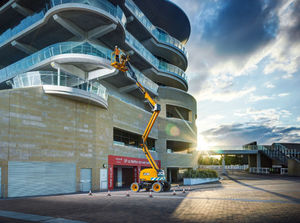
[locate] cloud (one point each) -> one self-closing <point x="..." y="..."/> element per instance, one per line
<point x="270" y="117"/>
<point x="223" y="95"/>
<point x="255" y="98"/>
<point x="238" y="134"/>
<point x="269" y="85"/>
<point x="283" y="95"/>
<point x="241" y="27"/>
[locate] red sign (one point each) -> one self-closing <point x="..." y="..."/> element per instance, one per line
<point x="129" y="161"/>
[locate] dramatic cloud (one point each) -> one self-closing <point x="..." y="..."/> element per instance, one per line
<point x="239" y="134"/>
<point x="245" y="54"/>
<point x="241" y="27"/>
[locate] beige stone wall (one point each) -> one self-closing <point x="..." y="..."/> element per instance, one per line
<point x="40" y="127"/>
<point x="293" y="168"/>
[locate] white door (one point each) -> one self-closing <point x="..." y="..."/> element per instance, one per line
<point x="40" y="178"/>
<point x="0" y="184"/>
<point x="103" y="179"/>
<point x="85" y="179"/>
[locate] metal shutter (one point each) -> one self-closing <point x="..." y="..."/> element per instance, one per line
<point x="85" y="179"/>
<point x="40" y="178"/>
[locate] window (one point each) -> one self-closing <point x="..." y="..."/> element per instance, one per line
<point x="178" y="112"/>
<point x="123" y="137"/>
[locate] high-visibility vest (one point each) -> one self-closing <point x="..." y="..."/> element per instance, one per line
<point x="117" y="51"/>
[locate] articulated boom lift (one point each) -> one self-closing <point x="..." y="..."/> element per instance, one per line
<point x="150" y="178"/>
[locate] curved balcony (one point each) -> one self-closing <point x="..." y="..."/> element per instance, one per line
<point x="159" y="35"/>
<point x="76" y="52"/>
<point x="63" y="85"/>
<point x="30" y="20"/>
<point x="29" y="62"/>
<point x="172" y="71"/>
<point x="161" y="43"/>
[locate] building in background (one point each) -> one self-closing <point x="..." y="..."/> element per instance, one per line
<point x="275" y="157"/>
<point x="69" y="121"/>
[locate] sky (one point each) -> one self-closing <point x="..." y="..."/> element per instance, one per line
<point x="244" y="70"/>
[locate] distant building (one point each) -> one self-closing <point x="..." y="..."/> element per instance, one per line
<point x="70" y="122"/>
<point x="275" y="156"/>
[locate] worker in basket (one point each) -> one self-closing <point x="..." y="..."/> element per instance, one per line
<point x="117" y="54"/>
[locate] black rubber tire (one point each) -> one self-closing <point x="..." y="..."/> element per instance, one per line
<point x="167" y="186"/>
<point x="157" y="187"/>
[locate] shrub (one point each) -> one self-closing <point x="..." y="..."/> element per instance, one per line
<point x="200" y="173"/>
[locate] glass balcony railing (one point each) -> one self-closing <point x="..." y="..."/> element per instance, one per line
<point x="28" y="21"/>
<point x="160" y="65"/>
<point x="158" y="34"/>
<point x="53" y="50"/>
<point x="66" y="48"/>
<point x="145" y="81"/>
<point x="170" y="68"/>
<point x="25" y="23"/>
<point x="39" y="78"/>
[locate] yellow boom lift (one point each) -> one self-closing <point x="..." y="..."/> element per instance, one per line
<point x="150" y="178"/>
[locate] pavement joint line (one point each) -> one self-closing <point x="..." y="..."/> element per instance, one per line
<point x="35" y="218"/>
<point x="207" y="198"/>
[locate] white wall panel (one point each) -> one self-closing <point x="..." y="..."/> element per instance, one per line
<point x="85" y="179"/>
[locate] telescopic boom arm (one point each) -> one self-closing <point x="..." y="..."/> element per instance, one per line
<point x="124" y="66"/>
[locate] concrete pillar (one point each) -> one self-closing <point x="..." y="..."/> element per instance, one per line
<point x="58" y="76"/>
<point x="258" y="161"/>
<point x="119" y="178"/>
<point x="223" y="165"/>
<point x="170" y="176"/>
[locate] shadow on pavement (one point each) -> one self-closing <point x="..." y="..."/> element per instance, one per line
<point x="292" y="199"/>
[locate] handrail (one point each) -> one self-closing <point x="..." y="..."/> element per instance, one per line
<point x="159" y="35"/>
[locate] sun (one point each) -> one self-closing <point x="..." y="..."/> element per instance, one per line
<point x="202" y="144"/>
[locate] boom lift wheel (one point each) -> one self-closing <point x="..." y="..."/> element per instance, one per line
<point x="135" y="187"/>
<point x="167" y="186"/>
<point x="157" y="187"/>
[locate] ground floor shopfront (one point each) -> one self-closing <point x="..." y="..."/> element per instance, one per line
<point x="123" y="171"/>
<point x="35" y="178"/>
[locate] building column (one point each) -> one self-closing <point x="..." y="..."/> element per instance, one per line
<point x="223" y="165"/>
<point x="58" y="76"/>
<point x="170" y="175"/>
<point x="258" y="161"/>
<point x="119" y="177"/>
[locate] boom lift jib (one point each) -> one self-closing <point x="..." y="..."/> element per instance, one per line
<point x="150" y="178"/>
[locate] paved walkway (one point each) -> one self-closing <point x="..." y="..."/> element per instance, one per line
<point x="238" y="198"/>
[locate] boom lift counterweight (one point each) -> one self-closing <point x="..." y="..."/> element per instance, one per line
<point x="150" y="178"/>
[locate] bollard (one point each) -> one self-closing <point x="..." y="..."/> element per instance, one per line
<point x="150" y="194"/>
<point x="90" y="193"/>
<point x="174" y="193"/>
<point x="183" y="190"/>
<point x="127" y="195"/>
<point x="108" y="194"/>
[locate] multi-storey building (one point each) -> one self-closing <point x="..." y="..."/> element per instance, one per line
<point x="69" y="121"/>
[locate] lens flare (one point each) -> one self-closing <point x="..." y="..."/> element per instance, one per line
<point x="172" y="130"/>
